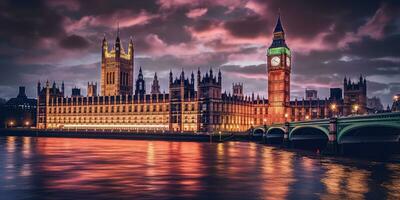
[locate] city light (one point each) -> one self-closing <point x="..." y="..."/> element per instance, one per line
<point x="27" y="123"/>
<point x="396" y="98"/>
<point x="307" y="117"/>
<point x="333" y="106"/>
<point x="286" y="115"/>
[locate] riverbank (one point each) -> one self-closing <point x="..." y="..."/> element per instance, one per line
<point x="133" y="135"/>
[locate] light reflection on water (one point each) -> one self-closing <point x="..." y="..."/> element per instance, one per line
<point x="63" y="168"/>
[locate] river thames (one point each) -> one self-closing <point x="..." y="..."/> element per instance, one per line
<point x="69" y="168"/>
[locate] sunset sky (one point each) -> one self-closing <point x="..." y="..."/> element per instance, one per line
<point x="61" y="40"/>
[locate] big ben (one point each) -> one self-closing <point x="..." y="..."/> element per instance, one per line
<point x="278" y="67"/>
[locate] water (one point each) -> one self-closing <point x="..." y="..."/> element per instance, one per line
<point x="68" y="168"/>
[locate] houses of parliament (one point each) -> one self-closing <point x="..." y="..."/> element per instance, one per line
<point x="194" y="103"/>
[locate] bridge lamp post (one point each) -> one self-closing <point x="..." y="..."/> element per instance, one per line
<point x="265" y="129"/>
<point x="355" y="108"/>
<point x="11" y="124"/>
<point x="307" y="117"/>
<point x="252" y="127"/>
<point x="27" y="123"/>
<point x="333" y="108"/>
<point x="286" y="117"/>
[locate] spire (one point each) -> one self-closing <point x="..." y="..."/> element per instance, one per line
<point x="279" y="34"/>
<point x="170" y="76"/>
<point x="219" y="76"/>
<point x="62" y="87"/>
<point x="278" y="27"/>
<point x="140" y="72"/>
<point x="117" y="30"/>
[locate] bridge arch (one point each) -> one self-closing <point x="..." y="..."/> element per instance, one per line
<point x="370" y="132"/>
<point x="309" y="132"/>
<point x="273" y="129"/>
<point x="259" y="131"/>
<point x="275" y="135"/>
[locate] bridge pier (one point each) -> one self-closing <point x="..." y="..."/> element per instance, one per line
<point x="332" y="146"/>
<point x="286" y="141"/>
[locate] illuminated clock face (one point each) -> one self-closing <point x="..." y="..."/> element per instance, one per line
<point x="288" y="61"/>
<point x="275" y="61"/>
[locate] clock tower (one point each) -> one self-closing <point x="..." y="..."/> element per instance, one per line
<point x="278" y="67"/>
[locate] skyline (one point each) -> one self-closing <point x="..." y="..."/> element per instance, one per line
<point x="64" y="41"/>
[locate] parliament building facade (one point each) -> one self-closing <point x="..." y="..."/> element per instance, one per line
<point x="194" y="103"/>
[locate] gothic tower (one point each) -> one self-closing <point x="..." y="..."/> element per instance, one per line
<point x="155" y="87"/>
<point x="278" y="67"/>
<point x="140" y="84"/>
<point x="116" y="69"/>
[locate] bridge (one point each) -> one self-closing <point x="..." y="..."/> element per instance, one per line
<point x="334" y="132"/>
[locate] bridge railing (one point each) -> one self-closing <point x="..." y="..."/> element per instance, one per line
<point x="393" y="115"/>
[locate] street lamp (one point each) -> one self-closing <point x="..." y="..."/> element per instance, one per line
<point x="307" y="117"/>
<point x="11" y="124"/>
<point x="286" y="117"/>
<point x="220" y="136"/>
<point x="333" y="108"/>
<point x="355" y="108"/>
<point x="27" y="123"/>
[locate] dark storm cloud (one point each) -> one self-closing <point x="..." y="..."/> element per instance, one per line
<point x="74" y="42"/>
<point x="24" y="23"/>
<point x="61" y="40"/>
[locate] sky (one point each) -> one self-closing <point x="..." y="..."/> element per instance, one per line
<point x="60" y="40"/>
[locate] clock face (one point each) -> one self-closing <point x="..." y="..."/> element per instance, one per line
<point x="288" y="61"/>
<point x="275" y="61"/>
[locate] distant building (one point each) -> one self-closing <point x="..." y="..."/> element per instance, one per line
<point x="92" y="89"/>
<point x="311" y="94"/>
<point x="76" y="92"/>
<point x="396" y="103"/>
<point x="237" y="89"/>
<point x="2" y="113"/>
<point x="20" y="111"/>
<point x="374" y="105"/>
<point x="336" y="94"/>
<point x="355" y="96"/>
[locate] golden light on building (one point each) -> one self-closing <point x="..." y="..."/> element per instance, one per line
<point x="355" y="107"/>
<point x="333" y="107"/>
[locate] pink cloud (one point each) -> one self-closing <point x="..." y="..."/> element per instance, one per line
<point x="260" y="9"/>
<point x="173" y="4"/>
<point x="195" y="13"/>
<point x="168" y="4"/>
<point x="373" y="28"/>
<point x="125" y="18"/>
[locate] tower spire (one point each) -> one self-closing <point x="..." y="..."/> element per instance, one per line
<point x="278" y="26"/>
<point x="118" y="29"/>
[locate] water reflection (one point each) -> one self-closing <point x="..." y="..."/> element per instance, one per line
<point x="62" y="168"/>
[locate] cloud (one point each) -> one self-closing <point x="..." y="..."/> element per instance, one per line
<point x="74" y="42"/>
<point x="373" y="28"/>
<point x="195" y="13"/>
<point x="123" y="18"/>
